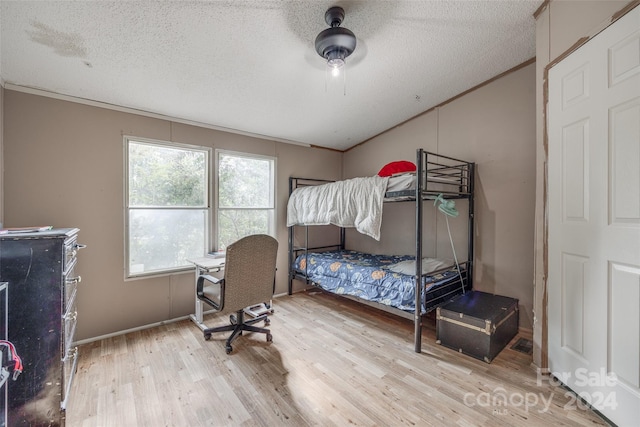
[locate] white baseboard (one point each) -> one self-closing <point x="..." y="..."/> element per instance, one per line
<point x="126" y="331"/>
<point x="143" y="327"/>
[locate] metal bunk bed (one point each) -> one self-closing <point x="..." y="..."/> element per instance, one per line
<point x="435" y="175"/>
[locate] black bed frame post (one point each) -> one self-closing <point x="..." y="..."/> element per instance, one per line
<point x="417" y="315"/>
<point x="290" y="289"/>
<point x="471" y="190"/>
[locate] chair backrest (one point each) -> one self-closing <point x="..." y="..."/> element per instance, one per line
<point x="249" y="271"/>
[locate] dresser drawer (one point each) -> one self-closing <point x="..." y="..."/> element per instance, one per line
<point x="69" y="320"/>
<point x="70" y="286"/>
<point x="70" y="253"/>
<point x="71" y="248"/>
<point x="70" y="353"/>
<point x="69" y="367"/>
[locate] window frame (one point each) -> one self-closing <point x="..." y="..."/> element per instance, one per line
<point x="216" y="209"/>
<point x="208" y="207"/>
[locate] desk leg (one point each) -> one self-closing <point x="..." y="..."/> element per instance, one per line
<point x="197" y="317"/>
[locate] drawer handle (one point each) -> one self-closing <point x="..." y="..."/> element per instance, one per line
<point x="76" y="248"/>
<point x="72" y="353"/>
<point x="70" y="316"/>
<point x="74" y="280"/>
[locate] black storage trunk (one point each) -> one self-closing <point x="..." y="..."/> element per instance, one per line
<point x="477" y="324"/>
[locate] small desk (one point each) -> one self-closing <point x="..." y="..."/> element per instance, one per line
<point x="204" y="265"/>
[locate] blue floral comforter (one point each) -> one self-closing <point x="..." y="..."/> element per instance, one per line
<point x="367" y="276"/>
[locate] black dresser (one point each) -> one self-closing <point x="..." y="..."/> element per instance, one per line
<point x="39" y="270"/>
<point x="4" y="370"/>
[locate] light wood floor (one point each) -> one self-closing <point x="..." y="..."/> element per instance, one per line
<point x="331" y="362"/>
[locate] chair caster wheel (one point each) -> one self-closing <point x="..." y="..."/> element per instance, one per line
<point x="267" y="321"/>
<point x="228" y="349"/>
<point x="232" y="319"/>
<point x="207" y="337"/>
<point x="269" y="338"/>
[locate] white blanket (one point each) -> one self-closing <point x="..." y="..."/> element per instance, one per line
<point x="353" y="202"/>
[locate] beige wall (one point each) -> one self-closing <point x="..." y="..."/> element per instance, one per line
<point x="559" y="26"/>
<point x="493" y="126"/>
<point x="64" y="166"/>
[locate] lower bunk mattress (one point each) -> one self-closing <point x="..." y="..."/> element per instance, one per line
<point x="384" y="279"/>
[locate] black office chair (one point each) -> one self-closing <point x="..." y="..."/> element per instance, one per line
<point x="249" y="279"/>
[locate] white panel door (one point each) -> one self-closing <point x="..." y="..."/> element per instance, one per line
<point x="594" y="221"/>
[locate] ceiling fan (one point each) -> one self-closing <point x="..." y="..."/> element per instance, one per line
<point x="336" y="43"/>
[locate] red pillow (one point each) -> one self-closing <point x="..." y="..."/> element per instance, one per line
<point x="401" y="166"/>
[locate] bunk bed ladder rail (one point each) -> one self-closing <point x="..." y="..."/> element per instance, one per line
<point x="466" y="190"/>
<point x="421" y="161"/>
<point x="471" y="170"/>
<point x="291" y="253"/>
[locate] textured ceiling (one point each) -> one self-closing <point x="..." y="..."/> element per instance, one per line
<point x="251" y="66"/>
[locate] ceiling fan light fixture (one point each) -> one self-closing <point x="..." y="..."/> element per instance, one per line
<point x="335" y="43"/>
<point x="335" y="61"/>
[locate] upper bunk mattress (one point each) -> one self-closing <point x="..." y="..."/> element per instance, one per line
<point x="357" y="202"/>
<point x="353" y="202"/>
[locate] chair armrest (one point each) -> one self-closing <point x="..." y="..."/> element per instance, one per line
<point x="202" y="278"/>
<point x="200" y="290"/>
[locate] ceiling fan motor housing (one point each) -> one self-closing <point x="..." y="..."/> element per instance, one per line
<point x="335" y="41"/>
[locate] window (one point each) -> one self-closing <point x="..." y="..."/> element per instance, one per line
<point x="245" y="196"/>
<point x="167" y="206"/>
